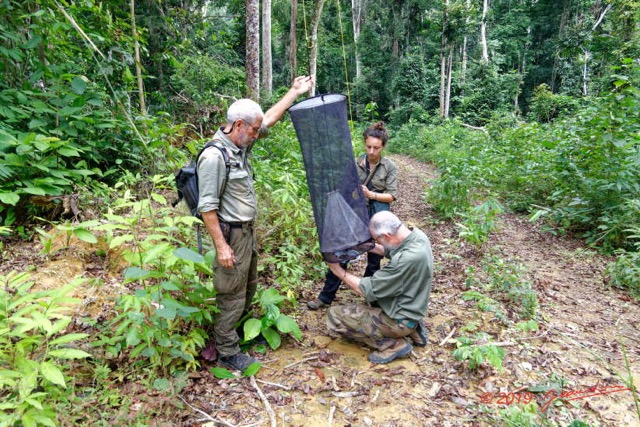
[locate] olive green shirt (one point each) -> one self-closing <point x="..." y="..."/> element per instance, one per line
<point x="403" y="285"/>
<point x="238" y="202"/>
<point x="385" y="179"/>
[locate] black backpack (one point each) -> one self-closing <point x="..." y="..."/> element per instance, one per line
<point x="187" y="179"/>
<point x="187" y="183"/>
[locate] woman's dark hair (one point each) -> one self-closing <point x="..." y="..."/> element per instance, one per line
<point x="377" y="130"/>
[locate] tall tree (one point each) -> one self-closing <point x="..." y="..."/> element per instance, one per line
<point x="267" y="64"/>
<point x="483" y="31"/>
<point x="357" y="16"/>
<point x="444" y="46"/>
<point x="136" y="48"/>
<point x="252" y="50"/>
<point x="313" y="51"/>
<point x="293" y="40"/>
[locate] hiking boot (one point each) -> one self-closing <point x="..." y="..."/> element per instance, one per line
<point x="419" y="336"/>
<point x="316" y="304"/>
<point x="239" y="361"/>
<point x="400" y="349"/>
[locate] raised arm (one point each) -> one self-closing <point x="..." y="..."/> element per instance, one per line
<point x="300" y="85"/>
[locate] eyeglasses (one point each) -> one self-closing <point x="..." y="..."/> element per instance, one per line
<point x="256" y="129"/>
<point x="377" y="238"/>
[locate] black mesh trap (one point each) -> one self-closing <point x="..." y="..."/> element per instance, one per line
<point x="339" y="207"/>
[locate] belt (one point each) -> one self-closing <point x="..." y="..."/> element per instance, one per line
<point x="408" y="323"/>
<point x="247" y="224"/>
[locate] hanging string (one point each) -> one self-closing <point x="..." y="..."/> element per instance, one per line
<point x="344" y="60"/>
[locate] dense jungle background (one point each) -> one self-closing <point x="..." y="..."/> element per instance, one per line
<point x="515" y="124"/>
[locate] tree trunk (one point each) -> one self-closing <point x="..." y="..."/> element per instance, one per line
<point x="443" y="59"/>
<point x="252" y="54"/>
<point x="357" y="12"/>
<point x="556" y="58"/>
<point x="293" y="40"/>
<point x="447" y="98"/>
<point x="267" y="64"/>
<point x="483" y="32"/>
<point x="136" y="49"/>
<point x="313" y="52"/>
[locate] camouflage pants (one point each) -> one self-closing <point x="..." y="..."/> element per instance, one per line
<point x="365" y="324"/>
<point x="235" y="288"/>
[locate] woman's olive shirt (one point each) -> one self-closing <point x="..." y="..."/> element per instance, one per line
<point x="385" y="179"/>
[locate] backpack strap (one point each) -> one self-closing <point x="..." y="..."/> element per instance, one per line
<point x="227" y="165"/>
<point x="225" y="156"/>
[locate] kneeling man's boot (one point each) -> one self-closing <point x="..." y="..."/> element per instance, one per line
<point x="400" y="349"/>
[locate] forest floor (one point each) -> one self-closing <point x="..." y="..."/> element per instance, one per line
<point x="585" y="329"/>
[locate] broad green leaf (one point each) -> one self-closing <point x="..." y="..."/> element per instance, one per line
<point x="272" y="337"/>
<point x="9" y="198"/>
<point x="136" y="273"/>
<point x="68" y="152"/>
<point x="36" y="123"/>
<point x="85" y="235"/>
<point x="159" y="198"/>
<point x="288" y="325"/>
<point x="28" y="420"/>
<point x="161" y="384"/>
<point x="34" y="402"/>
<point x="119" y="240"/>
<point x="252" y="328"/>
<point x="167" y="313"/>
<point x="52" y="373"/>
<point x="69" y="353"/>
<point x="65" y="339"/>
<point x="271" y="296"/>
<point x="221" y="373"/>
<point x="169" y="286"/>
<point x="155" y="253"/>
<point x="36" y="191"/>
<point x="133" y="337"/>
<point x="252" y="369"/>
<point x="79" y="85"/>
<point x="188" y="255"/>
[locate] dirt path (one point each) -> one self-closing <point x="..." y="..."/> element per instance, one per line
<point x="322" y="382"/>
<point x="583" y="326"/>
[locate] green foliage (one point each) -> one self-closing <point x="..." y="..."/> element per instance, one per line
<point x="546" y="106"/>
<point x="202" y="81"/>
<point x="160" y="325"/>
<point x="580" y="173"/>
<point x="289" y="237"/>
<point x="519" y="416"/>
<point x="479" y="222"/>
<point x="35" y="165"/>
<point x="35" y="350"/>
<point x="624" y="272"/>
<point x="271" y="317"/>
<point x="502" y="280"/>
<point x="477" y="350"/>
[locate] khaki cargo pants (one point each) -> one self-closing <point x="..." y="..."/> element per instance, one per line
<point x="369" y="325"/>
<point x="235" y="288"/>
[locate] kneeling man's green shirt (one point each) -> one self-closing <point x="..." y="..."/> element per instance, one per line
<point x="402" y="286"/>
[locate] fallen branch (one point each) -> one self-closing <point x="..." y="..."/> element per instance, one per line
<point x="495" y="344"/>
<point x="265" y="402"/>
<point x="447" y="337"/>
<point x="474" y="127"/>
<point x="331" y="412"/>
<point x="286" y="387"/>
<point x="301" y="361"/>
<point x="207" y="416"/>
